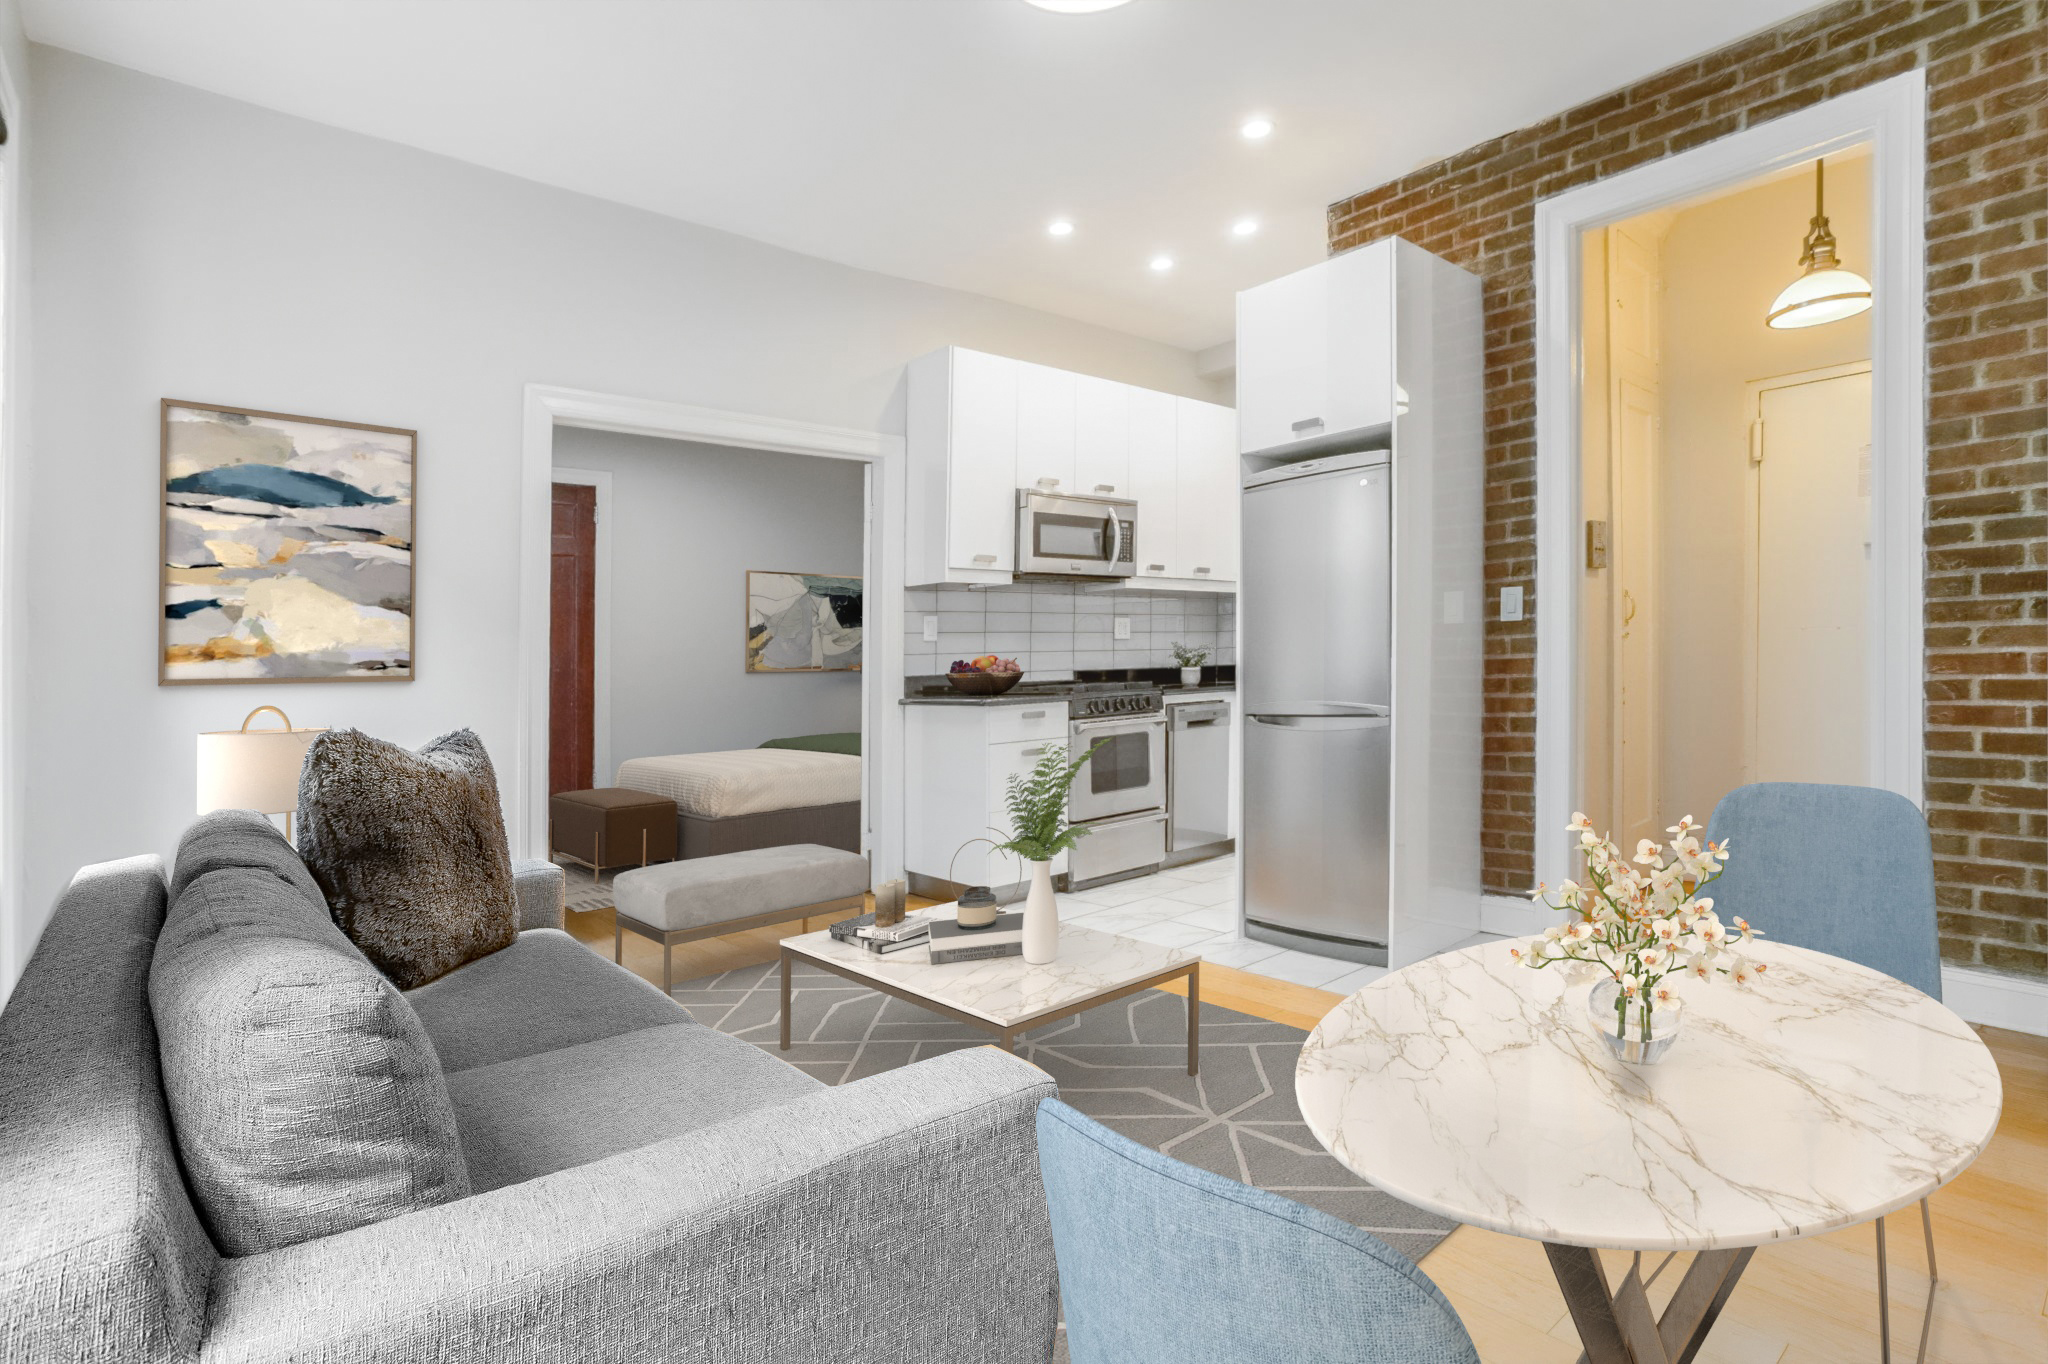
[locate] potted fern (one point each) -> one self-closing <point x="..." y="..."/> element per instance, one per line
<point x="1191" y="657"/>
<point x="1039" y="832"/>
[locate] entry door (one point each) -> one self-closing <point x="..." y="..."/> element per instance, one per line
<point x="572" y="639"/>
<point x="1636" y="784"/>
<point x="1810" y="674"/>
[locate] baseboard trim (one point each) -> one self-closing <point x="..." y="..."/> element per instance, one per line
<point x="1992" y="998"/>
<point x="1997" y="1000"/>
<point x="1514" y="915"/>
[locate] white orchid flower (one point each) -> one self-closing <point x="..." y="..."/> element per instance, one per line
<point x="1710" y="932"/>
<point x="1580" y="824"/>
<point x="1744" y="931"/>
<point x="1666" y="931"/>
<point x="1653" y="958"/>
<point x="1580" y="931"/>
<point x="1646" y="851"/>
<point x="1684" y="826"/>
<point x="1664" y="994"/>
<point x="1742" y="973"/>
<point x="1631" y="986"/>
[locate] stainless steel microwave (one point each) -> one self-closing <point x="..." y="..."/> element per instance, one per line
<point x="1076" y="537"/>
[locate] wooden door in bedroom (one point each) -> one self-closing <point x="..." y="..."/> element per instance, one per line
<point x="572" y="639"/>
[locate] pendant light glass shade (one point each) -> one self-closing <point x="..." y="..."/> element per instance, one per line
<point x="1824" y="292"/>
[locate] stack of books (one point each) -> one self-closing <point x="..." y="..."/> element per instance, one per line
<point x="863" y="932"/>
<point x="1003" y="938"/>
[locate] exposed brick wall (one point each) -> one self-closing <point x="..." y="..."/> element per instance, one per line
<point x="1987" y="433"/>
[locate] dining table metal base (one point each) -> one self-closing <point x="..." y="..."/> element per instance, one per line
<point x="1618" y="1325"/>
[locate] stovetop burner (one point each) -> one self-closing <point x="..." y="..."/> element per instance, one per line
<point x="1085" y="700"/>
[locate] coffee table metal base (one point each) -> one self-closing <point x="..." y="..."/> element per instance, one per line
<point x="1618" y="1326"/>
<point x="1007" y="1035"/>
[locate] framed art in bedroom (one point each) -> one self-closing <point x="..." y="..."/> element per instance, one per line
<point x="803" y="623"/>
<point x="287" y="548"/>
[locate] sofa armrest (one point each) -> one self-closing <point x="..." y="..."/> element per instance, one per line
<point x="538" y="887"/>
<point x="897" y="1218"/>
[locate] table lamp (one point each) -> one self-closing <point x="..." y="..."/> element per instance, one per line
<point x="254" y="769"/>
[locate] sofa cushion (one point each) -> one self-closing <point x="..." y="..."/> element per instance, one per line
<point x="702" y="892"/>
<point x="410" y="850"/>
<point x="529" y="1117"/>
<point x="305" y="1096"/>
<point x="544" y="991"/>
<point x="240" y="838"/>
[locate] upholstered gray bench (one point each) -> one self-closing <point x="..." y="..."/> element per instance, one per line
<point x="703" y="897"/>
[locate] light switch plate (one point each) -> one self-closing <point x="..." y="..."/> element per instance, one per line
<point x="1511" y="603"/>
<point x="1122" y="627"/>
<point x="931" y="629"/>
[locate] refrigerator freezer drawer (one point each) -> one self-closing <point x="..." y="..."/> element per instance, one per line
<point x="1316" y="807"/>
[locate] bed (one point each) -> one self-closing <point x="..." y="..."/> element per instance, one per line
<point x="787" y="791"/>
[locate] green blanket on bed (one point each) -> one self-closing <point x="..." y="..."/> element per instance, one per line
<point x="820" y="743"/>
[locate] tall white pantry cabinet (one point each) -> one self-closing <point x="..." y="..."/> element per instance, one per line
<point x="982" y="427"/>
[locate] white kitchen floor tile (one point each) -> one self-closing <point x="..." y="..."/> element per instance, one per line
<point x="1302" y="968"/>
<point x="1221" y="869"/>
<point x="1202" y="892"/>
<point x="1352" y="981"/>
<point x="1126" y="917"/>
<point x="1219" y="918"/>
<point x="1167" y="933"/>
<point x="1239" y="952"/>
<point x="1477" y="940"/>
<point x="1118" y="892"/>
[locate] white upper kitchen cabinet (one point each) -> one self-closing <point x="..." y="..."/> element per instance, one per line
<point x="962" y="432"/>
<point x="1045" y="429"/>
<point x="1155" y="482"/>
<point x="1205" y="549"/>
<point x="1102" y="436"/>
<point x="1315" y="355"/>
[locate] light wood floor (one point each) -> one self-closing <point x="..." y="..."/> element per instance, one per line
<point x="1806" y="1302"/>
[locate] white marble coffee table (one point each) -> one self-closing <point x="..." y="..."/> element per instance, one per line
<point x="1821" y="1097"/>
<point x="1007" y="995"/>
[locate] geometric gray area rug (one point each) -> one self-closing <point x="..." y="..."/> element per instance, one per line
<point x="1123" y="1063"/>
<point x="580" y="890"/>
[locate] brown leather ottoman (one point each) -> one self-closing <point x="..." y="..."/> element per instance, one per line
<point x="611" y="827"/>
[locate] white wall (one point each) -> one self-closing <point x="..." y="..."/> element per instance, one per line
<point x="1723" y="263"/>
<point x="196" y="247"/>
<point x="14" y="350"/>
<point x="687" y="522"/>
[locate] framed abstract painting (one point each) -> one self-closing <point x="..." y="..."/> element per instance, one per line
<point x="287" y="550"/>
<point x="803" y="623"/>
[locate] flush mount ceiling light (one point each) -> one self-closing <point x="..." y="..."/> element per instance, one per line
<point x="1244" y="227"/>
<point x="1256" y="128"/>
<point x="1060" y="227"/>
<point x="1076" y="6"/>
<point x="1824" y="291"/>
<point x="1161" y="264"/>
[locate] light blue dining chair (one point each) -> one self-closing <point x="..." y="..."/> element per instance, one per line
<point x="1846" y="870"/>
<point x="1162" y="1263"/>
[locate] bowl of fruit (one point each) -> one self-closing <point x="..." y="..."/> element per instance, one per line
<point x="985" y="676"/>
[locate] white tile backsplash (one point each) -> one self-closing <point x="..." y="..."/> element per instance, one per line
<point x="1053" y="628"/>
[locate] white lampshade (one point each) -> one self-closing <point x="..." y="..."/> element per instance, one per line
<point x="253" y="769"/>
<point x="1823" y="296"/>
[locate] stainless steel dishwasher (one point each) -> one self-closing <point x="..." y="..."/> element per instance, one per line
<point x="1197" y="780"/>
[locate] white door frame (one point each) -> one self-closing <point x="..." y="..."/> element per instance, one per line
<point x="548" y="406"/>
<point x="601" y="766"/>
<point x="1891" y="116"/>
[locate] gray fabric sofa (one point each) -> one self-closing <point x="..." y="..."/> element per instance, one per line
<point x="646" y="1188"/>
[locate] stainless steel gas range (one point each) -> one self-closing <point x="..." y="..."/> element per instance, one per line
<point x="1119" y="795"/>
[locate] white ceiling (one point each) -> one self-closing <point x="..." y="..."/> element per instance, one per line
<point x="934" y="139"/>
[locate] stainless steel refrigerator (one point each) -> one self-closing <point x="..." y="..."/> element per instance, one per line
<point x="1315" y="618"/>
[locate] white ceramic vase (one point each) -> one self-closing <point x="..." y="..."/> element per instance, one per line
<point x="1191" y="677"/>
<point x="1041" y="917"/>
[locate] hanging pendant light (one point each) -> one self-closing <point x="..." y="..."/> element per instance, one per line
<point x="1824" y="291"/>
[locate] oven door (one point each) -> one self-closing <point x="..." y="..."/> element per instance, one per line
<point x="1090" y="537"/>
<point x="1123" y="776"/>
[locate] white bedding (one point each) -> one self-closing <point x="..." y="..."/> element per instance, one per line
<point x="745" y="781"/>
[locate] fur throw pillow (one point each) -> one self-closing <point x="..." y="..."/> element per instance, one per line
<point x="409" y="849"/>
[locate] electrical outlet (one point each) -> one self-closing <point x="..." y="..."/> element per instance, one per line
<point x="931" y="629"/>
<point x="1511" y="603"/>
<point x="1122" y="626"/>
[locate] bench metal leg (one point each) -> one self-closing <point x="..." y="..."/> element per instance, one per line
<point x="668" y="977"/>
<point x="618" y="940"/>
<point x="785" y="999"/>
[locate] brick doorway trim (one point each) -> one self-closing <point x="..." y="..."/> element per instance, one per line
<point x="1890" y="116"/>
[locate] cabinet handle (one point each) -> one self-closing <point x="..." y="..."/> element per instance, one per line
<point x="1201" y="568"/>
<point x="1034" y="715"/>
<point x="1306" y="423"/>
<point x="984" y="558"/>
<point x="1031" y="752"/>
<point x="1048" y="483"/>
<point x="1105" y="487"/>
<point x="1155" y="568"/>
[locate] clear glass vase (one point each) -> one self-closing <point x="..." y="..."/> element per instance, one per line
<point x="1639" y="1032"/>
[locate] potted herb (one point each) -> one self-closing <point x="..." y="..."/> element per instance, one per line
<point x="1191" y="657"/>
<point x="1039" y="832"/>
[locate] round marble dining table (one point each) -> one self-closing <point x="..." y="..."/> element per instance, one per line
<point x="1822" y="1096"/>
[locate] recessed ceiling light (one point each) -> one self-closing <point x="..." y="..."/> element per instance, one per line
<point x="1244" y="227"/>
<point x="1060" y="227"/>
<point x="1162" y="263"/>
<point x="1076" y="6"/>
<point x="1256" y="128"/>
